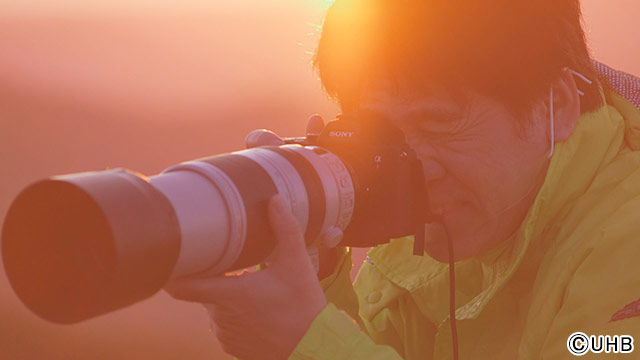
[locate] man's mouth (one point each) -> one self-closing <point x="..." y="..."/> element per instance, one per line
<point x="436" y="213"/>
<point x="439" y="210"/>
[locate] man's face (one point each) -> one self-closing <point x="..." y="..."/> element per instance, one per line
<point x="483" y="166"/>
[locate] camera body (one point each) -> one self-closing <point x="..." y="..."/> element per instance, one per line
<point x="388" y="178"/>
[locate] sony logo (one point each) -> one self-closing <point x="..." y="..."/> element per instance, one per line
<point x="342" y="133"/>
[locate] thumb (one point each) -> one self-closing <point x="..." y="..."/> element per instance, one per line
<point x="290" y="244"/>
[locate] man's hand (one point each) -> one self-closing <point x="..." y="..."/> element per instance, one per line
<point x="262" y="315"/>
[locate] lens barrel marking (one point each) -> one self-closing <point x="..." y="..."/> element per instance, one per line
<point x="313" y="186"/>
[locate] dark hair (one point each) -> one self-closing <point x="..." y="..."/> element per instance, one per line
<point x="511" y="50"/>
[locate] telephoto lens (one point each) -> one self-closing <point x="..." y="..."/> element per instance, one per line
<point x="81" y="245"/>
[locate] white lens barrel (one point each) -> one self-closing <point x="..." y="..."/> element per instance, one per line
<point x="286" y="178"/>
<point x="212" y="208"/>
<point x="211" y="215"/>
<point x="336" y="182"/>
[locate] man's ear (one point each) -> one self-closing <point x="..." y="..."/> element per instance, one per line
<point x="566" y="105"/>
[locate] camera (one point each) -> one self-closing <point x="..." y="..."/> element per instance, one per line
<point x="81" y="245"/>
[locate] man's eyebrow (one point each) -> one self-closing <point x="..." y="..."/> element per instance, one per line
<point x="437" y="110"/>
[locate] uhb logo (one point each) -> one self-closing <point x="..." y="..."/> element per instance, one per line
<point x="580" y="344"/>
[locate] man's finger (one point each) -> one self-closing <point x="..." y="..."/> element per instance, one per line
<point x="215" y="289"/>
<point x="290" y="240"/>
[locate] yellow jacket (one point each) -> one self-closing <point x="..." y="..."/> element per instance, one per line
<point x="573" y="265"/>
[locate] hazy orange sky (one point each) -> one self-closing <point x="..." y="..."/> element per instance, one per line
<point x="164" y="55"/>
<point x="145" y="84"/>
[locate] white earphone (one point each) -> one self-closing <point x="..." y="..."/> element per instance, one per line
<point x="552" y="114"/>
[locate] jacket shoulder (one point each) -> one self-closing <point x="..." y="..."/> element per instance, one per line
<point x="624" y="84"/>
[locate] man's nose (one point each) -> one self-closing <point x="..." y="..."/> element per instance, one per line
<point x="432" y="169"/>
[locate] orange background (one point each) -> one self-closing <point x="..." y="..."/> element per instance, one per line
<point x="146" y="84"/>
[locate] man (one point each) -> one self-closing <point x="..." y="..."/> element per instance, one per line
<point x="531" y="156"/>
